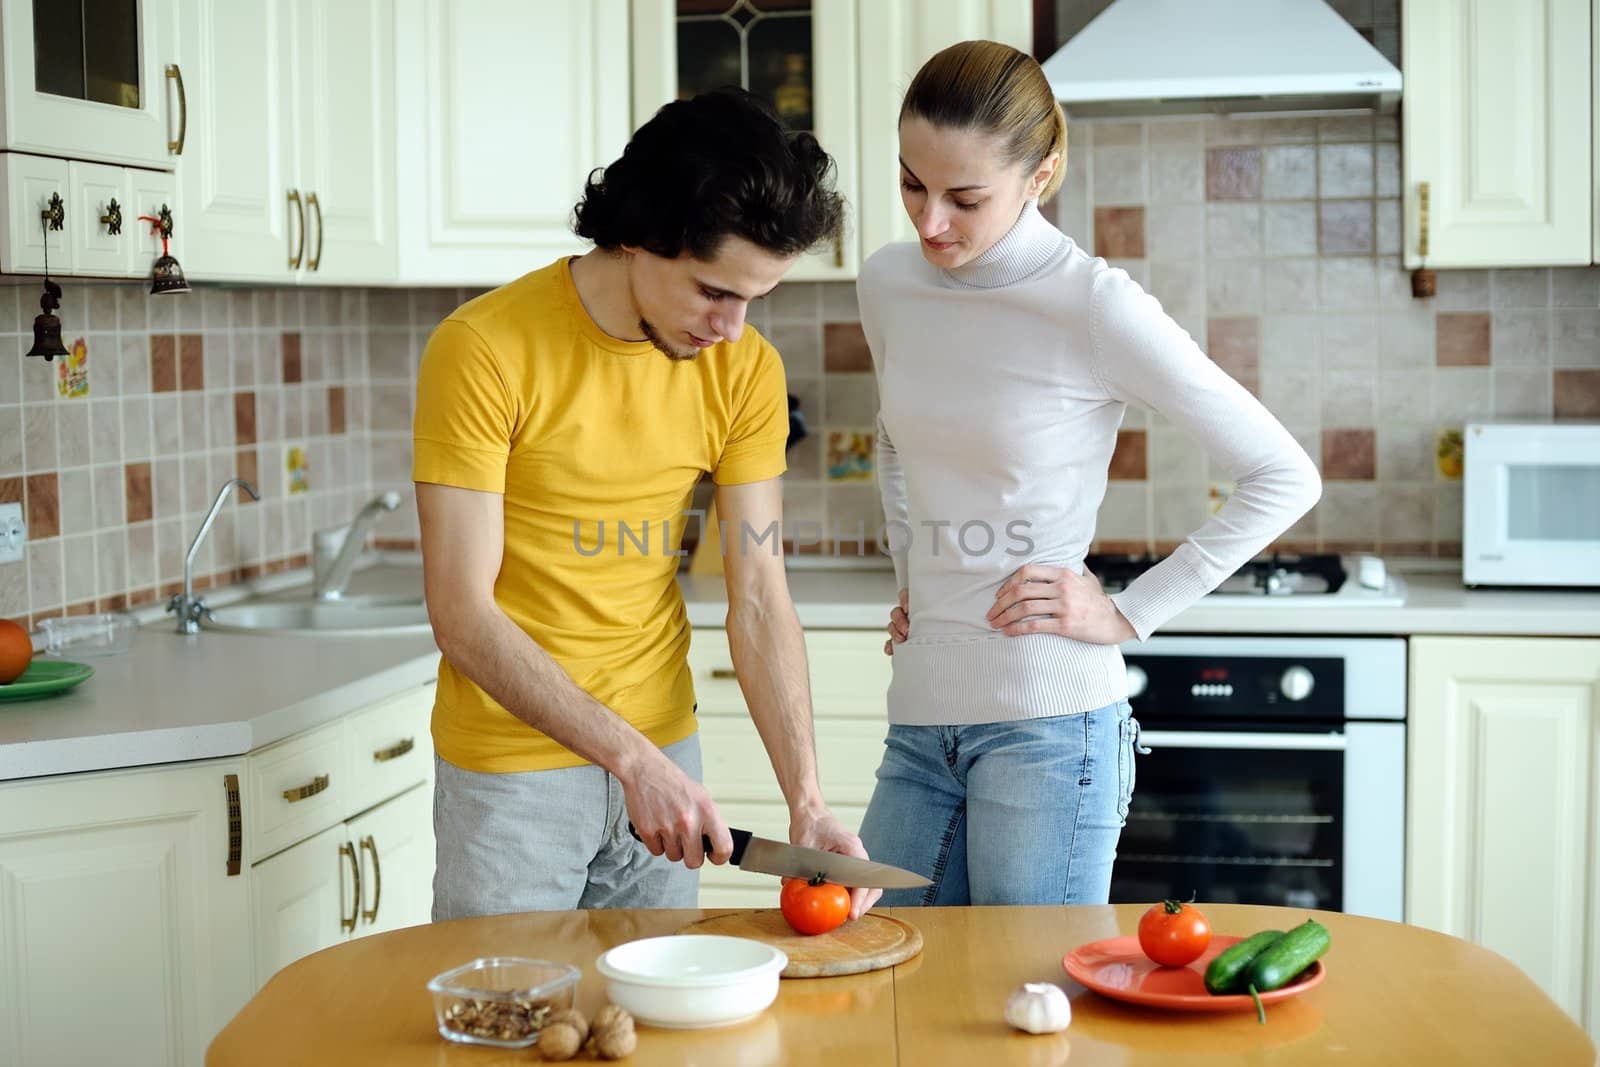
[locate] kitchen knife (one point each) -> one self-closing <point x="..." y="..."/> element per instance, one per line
<point x="761" y="856"/>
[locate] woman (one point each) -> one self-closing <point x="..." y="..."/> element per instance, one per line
<point x="1006" y="356"/>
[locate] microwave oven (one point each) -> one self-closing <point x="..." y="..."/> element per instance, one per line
<point x="1531" y="504"/>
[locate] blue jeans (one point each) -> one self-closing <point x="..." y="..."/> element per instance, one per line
<point x="1024" y="812"/>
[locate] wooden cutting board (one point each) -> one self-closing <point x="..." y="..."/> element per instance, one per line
<point x="867" y="944"/>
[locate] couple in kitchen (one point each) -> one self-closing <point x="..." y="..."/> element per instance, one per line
<point x="600" y="387"/>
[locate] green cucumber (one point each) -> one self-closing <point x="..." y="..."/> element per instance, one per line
<point x="1281" y="962"/>
<point x="1226" y="973"/>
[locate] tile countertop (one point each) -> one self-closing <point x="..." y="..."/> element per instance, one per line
<point x="180" y="698"/>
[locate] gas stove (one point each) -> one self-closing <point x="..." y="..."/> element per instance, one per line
<point x="1320" y="580"/>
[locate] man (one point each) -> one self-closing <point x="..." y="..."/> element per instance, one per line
<point x="553" y="412"/>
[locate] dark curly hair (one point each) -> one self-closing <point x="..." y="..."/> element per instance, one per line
<point x="715" y="165"/>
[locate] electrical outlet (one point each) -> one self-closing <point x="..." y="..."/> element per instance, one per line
<point x="13" y="533"/>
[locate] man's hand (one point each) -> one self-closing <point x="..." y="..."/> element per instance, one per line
<point x="1055" y="600"/>
<point x="671" y="811"/>
<point x="899" y="623"/>
<point x="818" y="828"/>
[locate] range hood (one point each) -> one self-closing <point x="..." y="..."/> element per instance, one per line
<point x="1223" y="57"/>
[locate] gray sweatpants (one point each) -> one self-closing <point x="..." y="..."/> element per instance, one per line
<point x="548" y="841"/>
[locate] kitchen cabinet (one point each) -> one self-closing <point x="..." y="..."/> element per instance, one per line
<point x="1504" y="784"/>
<point x="507" y="108"/>
<point x="849" y="677"/>
<point x="288" y="166"/>
<point x="88" y="79"/>
<point x="1497" y="129"/>
<point x="896" y="39"/>
<point x="344" y="825"/>
<point x="124" y="913"/>
<point x="800" y="56"/>
<point x="97" y="205"/>
<point x="844" y="83"/>
<point x="233" y="175"/>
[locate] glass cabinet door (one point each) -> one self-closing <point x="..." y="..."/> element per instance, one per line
<point x="93" y="80"/>
<point x="799" y="56"/>
<point x="87" y="50"/>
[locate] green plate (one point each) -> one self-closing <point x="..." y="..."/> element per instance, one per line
<point x="44" y="677"/>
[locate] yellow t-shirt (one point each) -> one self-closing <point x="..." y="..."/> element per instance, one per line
<point x="520" y="393"/>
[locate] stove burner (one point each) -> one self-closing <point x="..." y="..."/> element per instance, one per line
<point x="1279" y="574"/>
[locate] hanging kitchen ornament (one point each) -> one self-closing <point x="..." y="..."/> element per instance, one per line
<point x="166" y="276"/>
<point x="1424" y="282"/>
<point x="46" y="324"/>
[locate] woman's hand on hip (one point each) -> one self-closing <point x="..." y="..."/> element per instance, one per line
<point x="1040" y="599"/>
<point x="899" y="623"/>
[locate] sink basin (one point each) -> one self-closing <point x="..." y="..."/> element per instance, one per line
<point x="355" y="616"/>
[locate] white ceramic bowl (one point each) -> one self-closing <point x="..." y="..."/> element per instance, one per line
<point x="691" y="981"/>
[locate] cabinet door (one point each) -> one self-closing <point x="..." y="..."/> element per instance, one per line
<point x="509" y="106"/>
<point x="122" y="934"/>
<point x="344" y="131"/>
<point x="304" y="900"/>
<point x="32" y="185"/>
<point x="798" y="55"/>
<point x="96" y="249"/>
<point x="87" y="81"/>
<point x="232" y="214"/>
<point x="148" y="192"/>
<point x="397" y="859"/>
<point x="1503" y="754"/>
<point x="1497" y="126"/>
<point x="900" y="36"/>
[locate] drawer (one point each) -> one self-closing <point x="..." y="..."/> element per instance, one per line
<point x="849" y="673"/>
<point x="737" y="766"/>
<point x="715" y="896"/>
<point x="298" y="788"/>
<point x="391" y="748"/>
<point x="716" y="689"/>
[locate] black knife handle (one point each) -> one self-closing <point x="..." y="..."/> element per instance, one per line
<point x="741" y="841"/>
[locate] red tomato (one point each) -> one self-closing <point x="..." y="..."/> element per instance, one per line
<point x="813" y="907"/>
<point x="16" y="651"/>
<point x="1173" y="933"/>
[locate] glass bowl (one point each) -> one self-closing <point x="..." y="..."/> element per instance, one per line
<point x="501" y="1000"/>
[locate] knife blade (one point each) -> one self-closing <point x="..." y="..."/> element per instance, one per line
<point x="760" y="855"/>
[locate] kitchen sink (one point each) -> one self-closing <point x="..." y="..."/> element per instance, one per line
<point x="352" y="616"/>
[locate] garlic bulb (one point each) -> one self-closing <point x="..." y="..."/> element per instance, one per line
<point x="1039" y="1008"/>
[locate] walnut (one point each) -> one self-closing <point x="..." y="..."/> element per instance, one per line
<point x="573" y="1018"/>
<point x="559" y="1040"/>
<point x="611" y="1036"/>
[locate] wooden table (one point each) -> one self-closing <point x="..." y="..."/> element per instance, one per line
<point x="1394" y="995"/>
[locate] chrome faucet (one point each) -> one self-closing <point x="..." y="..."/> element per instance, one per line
<point x="188" y="607"/>
<point x="329" y="584"/>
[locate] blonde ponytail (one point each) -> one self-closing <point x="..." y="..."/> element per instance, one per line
<point x="989" y="86"/>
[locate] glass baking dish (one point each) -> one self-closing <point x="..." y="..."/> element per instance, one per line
<point x="501" y="1000"/>
<point x="109" y="633"/>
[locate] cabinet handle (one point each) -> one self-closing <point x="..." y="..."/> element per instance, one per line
<point x="315" y="262"/>
<point x="838" y="250"/>
<point x="112" y="219"/>
<point x="724" y="673"/>
<point x="230" y="789"/>
<point x="300" y="213"/>
<point x="348" y="924"/>
<point x="54" y="213"/>
<point x="310" y="789"/>
<point x="1422" y="219"/>
<point x="176" y="75"/>
<point x="384" y="755"/>
<point x="370" y="845"/>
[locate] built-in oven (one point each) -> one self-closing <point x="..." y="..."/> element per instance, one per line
<point x="1275" y="773"/>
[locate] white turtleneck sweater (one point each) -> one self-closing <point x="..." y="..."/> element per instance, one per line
<point x="1002" y="384"/>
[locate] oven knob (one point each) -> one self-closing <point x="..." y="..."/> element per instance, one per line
<point x="1138" y="681"/>
<point x="1296" y="683"/>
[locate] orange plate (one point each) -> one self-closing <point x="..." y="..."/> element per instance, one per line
<point x="1118" y="968"/>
